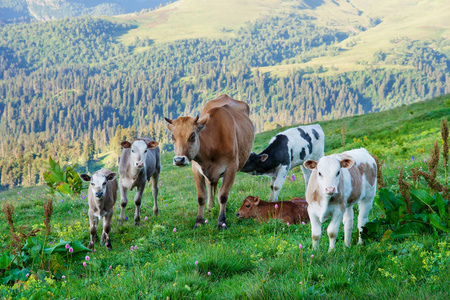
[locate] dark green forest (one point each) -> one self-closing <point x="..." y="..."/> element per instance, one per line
<point x="70" y="89"/>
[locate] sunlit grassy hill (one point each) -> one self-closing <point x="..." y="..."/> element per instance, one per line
<point x="374" y="25"/>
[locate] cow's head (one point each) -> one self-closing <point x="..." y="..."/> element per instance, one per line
<point x="255" y="163"/>
<point x="249" y="208"/>
<point x="98" y="183"/>
<point x="138" y="151"/>
<point x="185" y="138"/>
<point x="327" y="171"/>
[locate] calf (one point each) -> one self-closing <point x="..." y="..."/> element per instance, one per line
<point x="102" y="195"/>
<point x="338" y="182"/>
<point x="285" y="151"/>
<point x="139" y="162"/>
<point x="293" y="211"/>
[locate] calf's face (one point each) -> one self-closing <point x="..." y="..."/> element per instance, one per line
<point x="139" y="150"/>
<point x="328" y="170"/>
<point x="249" y="208"/>
<point x="185" y="131"/>
<point x="255" y="163"/>
<point x="98" y="183"/>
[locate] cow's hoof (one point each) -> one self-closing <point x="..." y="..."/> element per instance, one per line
<point x="120" y="222"/>
<point x="197" y="225"/>
<point x="91" y="245"/>
<point x="108" y="246"/>
<point x="221" y="225"/>
<point x="155" y="212"/>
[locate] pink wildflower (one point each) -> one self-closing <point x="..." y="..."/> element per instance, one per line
<point x="63" y="277"/>
<point x="196" y="262"/>
<point x="84" y="264"/>
<point x="312" y="255"/>
<point x="303" y="223"/>
<point x="70" y="249"/>
<point x="276" y="206"/>
<point x="67" y="246"/>
<point x="87" y="258"/>
<point x="300" y="246"/>
<point x="209" y="273"/>
<point x="287" y="224"/>
<point x="174" y="230"/>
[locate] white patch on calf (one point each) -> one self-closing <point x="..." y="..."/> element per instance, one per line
<point x="98" y="184"/>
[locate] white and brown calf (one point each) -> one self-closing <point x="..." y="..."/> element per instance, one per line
<point x="338" y="182"/>
<point x="102" y="195"/>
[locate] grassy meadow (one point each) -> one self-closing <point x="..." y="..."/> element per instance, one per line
<point x="171" y="260"/>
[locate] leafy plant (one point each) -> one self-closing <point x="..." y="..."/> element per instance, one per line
<point x="65" y="180"/>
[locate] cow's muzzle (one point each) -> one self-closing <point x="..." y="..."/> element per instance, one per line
<point x="139" y="164"/>
<point x="330" y="190"/>
<point x="99" y="194"/>
<point x="180" y="161"/>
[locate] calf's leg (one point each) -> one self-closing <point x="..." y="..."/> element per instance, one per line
<point x="93" y="229"/>
<point x="106" y="229"/>
<point x="137" y="202"/>
<point x="333" y="227"/>
<point x="277" y="182"/>
<point x="123" y="202"/>
<point x="155" y="190"/>
<point x="316" y="229"/>
<point x="365" y="205"/>
<point x="348" y="225"/>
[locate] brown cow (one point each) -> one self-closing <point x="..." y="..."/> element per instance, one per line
<point x="218" y="144"/>
<point x="294" y="211"/>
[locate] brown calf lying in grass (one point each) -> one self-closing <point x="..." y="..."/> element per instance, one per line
<point x="294" y="211"/>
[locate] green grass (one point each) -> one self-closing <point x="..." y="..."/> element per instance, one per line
<point x="249" y="260"/>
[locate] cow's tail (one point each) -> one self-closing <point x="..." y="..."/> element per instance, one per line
<point x="214" y="188"/>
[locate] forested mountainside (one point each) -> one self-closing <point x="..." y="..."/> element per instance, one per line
<point x="68" y="88"/>
<point x="43" y="10"/>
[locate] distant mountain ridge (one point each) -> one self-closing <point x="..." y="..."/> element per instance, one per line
<point x="44" y="10"/>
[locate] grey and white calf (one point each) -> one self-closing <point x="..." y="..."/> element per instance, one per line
<point x="140" y="161"/>
<point x="338" y="182"/>
<point x="285" y="151"/>
<point x="102" y="195"/>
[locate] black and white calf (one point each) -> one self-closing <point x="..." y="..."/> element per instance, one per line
<point x="285" y="151"/>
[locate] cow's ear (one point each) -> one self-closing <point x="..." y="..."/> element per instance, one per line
<point x="310" y="164"/>
<point x="85" y="177"/>
<point x="202" y="122"/>
<point x="263" y="157"/>
<point x="152" y="144"/>
<point x="125" y="144"/>
<point x="111" y="176"/>
<point x="256" y="199"/>
<point x="169" y="124"/>
<point x="347" y="162"/>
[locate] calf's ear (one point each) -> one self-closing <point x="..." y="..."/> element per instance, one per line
<point x="310" y="164"/>
<point x="347" y="162"/>
<point x="111" y="176"/>
<point x="169" y="124"/>
<point x="256" y="199"/>
<point x="202" y="122"/>
<point x="263" y="157"/>
<point x="152" y="144"/>
<point x="85" y="177"/>
<point x="125" y="144"/>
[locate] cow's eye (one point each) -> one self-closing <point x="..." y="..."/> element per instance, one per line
<point x="339" y="172"/>
<point x="92" y="183"/>
<point x="320" y="174"/>
<point x="104" y="183"/>
<point x="192" y="138"/>
<point x="132" y="150"/>
<point x="145" y="151"/>
<point x="248" y="205"/>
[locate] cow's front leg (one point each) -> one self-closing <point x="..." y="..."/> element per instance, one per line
<point x="333" y="227"/>
<point x="201" y="193"/>
<point x="137" y="202"/>
<point x="106" y="229"/>
<point x="155" y="190"/>
<point x="227" y="183"/>
<point x="123" y="201"/>
<point x="93" y="229"/>
<point x="316" y="228"/>
<point x="277" y="182"/>
<point x="306" y="175"/>
<point x="348" y="225"/>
